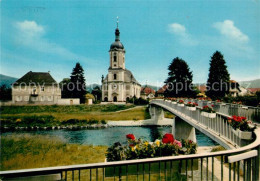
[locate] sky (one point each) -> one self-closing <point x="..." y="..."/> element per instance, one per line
<point x="53" y="35"/>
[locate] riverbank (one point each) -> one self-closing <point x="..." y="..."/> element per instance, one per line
<point x="78" y="112"/>
<point x="27" y="151"/>
<point x="35" y="151"/>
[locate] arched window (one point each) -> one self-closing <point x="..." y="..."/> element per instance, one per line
<point x="114" y="76"/>
<point x="106" y="99"/>
<point x="114" y="58"/>
<point x="115" y="99"/>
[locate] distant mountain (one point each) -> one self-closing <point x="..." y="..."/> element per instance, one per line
<point x="250" y="84"/>
<point x="7" y="80"/>
<point x="90" y="87"/>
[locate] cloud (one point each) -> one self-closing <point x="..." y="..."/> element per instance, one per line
<point x="30" y="29"/>
<point x="31" y="34"/>
<point x="230" y="31"/>
<point x="180" y="31"/>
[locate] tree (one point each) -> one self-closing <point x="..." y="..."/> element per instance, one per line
<point x="64" y="85"/>
<point x="77" y="84"/>
<point x="179" y="81"/>
<point x="218" y="80"/>
<point x="5" y="93"/>
<point x="97" y="93"/>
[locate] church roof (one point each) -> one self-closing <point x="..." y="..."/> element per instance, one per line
<point x="129" y="77"/>
<point x="117" y="44"/>
<point x="40" y="78"/>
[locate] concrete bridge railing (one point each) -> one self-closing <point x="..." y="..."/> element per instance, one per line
<point x="216" y="128"/>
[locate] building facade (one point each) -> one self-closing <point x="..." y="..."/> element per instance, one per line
<point x="119" y="85"/>
<point x="36" y="88"/>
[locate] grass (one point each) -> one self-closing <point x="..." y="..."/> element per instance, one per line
<point x="27" y="151"/>
<point x="62" y="108"/>
<point x="22" y="152"/>
<point x="62" y="115"/>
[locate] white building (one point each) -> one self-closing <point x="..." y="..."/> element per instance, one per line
<point x="36" y="88"/>
<point x="119" y="85"/>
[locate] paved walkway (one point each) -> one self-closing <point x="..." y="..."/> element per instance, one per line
<point x="148" y="122"/>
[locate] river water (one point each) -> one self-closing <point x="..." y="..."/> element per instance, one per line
<point x="110" y="135"/>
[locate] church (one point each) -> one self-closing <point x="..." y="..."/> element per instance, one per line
<point x="120" y="84"/>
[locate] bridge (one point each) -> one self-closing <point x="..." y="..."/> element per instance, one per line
<point x="240" y="161"/>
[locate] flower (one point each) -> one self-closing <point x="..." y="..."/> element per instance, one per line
<point x="168" y="138"/>
<point x="190" y="141"/>
<point x="157" y="142"/>
<point x="130" y="136"/>
<point x="146" y="143"/>
<point x="177" y="143"/>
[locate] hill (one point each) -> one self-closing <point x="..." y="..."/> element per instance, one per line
<point x="250" y="84"/>
<point x="7" y="80"/>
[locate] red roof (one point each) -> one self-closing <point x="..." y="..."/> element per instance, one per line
<point x="253" y="90"/>
<point x="201" y="88"/>
<point x="147" y="90"/>
<point x="162" y="89"/>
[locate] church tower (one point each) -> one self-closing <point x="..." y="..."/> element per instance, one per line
<point x="119" y="85"/>
<point x="117" y="53"/>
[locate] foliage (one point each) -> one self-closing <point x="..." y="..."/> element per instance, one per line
<point x="179" y="81"/>
<point x="208" y="109"/>
<point x="240" y="122"/>
<point x="138" y="101"/>
<point x="138" y="149"/>
<point x="5" y="93"/>
<point x="218" y="80"/>
<point x="188" y="147"/>
<point x="24" y="151"/>
<point x="218" y="148"/>
<point x="64" y="85"/>
<point x="78" y="84"/>
<point x="245" y="100"/>
<point x="191" y="104"/>
<point x="97" y="93"/>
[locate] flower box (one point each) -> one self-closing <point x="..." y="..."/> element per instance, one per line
<point x="133" y="169"/>
<point x="244" y="107"/>
<point x="181" y="105"/>
<point x="209" y="115"/>
<point x="191" y="108"/>
<point x="245" y="135"/>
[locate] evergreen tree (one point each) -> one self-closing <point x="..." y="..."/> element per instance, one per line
<point x="218" y="80"/>
<point x="64" y="85"/>
<point x="77" y="83"/>
<point x="5" y="93"/>
<point x="179" y="81"/>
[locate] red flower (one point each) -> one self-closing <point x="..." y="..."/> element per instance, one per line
<point x="190" y="141"/>
<point x="168" y="138"/>
<point x="212" y="105"/>
<point x="130" y="136"/>
<point x="243" y="118"/>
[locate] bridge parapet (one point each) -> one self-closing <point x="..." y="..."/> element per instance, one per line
<point x="216" y="128"/>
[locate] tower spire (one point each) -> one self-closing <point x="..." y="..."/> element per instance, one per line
<point x="117" y="33"/>
<point x="117" y="21"/>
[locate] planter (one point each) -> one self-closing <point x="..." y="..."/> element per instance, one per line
<point x="245" y="135"/>
<point x="157" y="167"/>
<point x="209" y="115"/>
<point x="191" y="108"/>
<point x="181" y="105"/>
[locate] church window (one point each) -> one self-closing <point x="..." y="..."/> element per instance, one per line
<point x="114" y="76"/>
<point x="114" y="58"/>
<point x="42" y="88"/>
